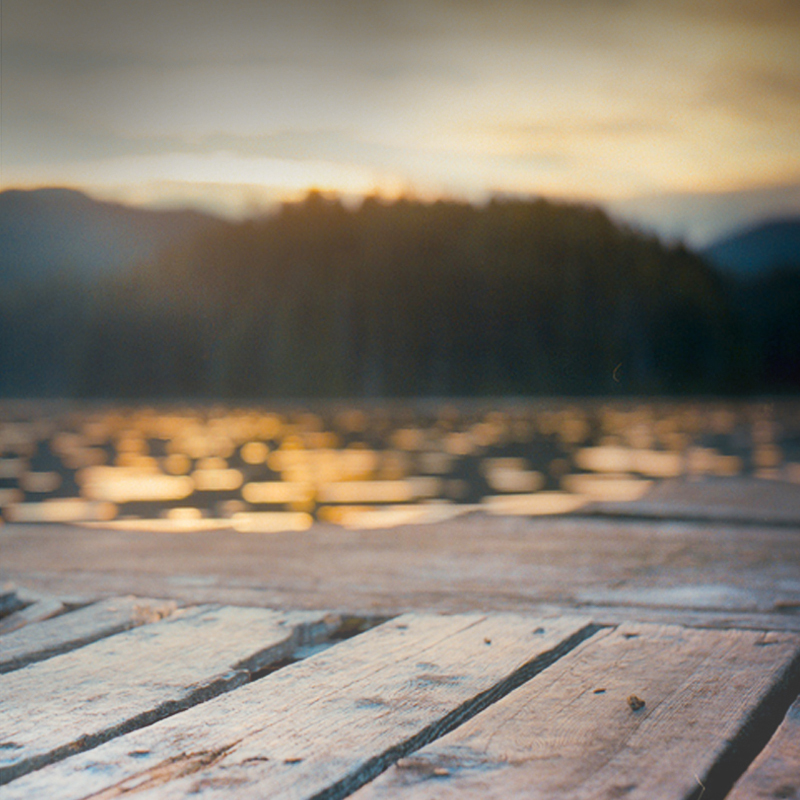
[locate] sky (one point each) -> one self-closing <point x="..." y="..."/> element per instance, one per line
<point x="680" y="115"/>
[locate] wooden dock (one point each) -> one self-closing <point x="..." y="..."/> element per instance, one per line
<point x="640" y="650"/>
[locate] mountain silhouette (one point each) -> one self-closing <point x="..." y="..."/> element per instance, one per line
<point x="757" y="250"/>
<point x="44" y="232"/>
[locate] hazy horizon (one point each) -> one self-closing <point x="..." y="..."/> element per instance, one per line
<point x="695" y="220"/>
<point x="675" y="117"/>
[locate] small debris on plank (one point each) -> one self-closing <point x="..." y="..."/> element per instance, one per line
<point x="636" y="703"/>
<point x="422" y="767"/>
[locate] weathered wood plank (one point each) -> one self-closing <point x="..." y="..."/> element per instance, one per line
<point x="78" y="700"/>
<point x="36" y="612"/>
<point x="474" y="563"/>
<point x="645" y="711"/>
<point x="42" y="640"/>
<point x="732" y="499"/>
<point x="323" y="726"/>
<point x="776" y="771"/>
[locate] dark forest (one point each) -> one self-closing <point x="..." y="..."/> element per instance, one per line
<point x="404" y="298"/>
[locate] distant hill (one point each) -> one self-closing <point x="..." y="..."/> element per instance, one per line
<point x="48" y="231"/>
<point x="758" y="250"/>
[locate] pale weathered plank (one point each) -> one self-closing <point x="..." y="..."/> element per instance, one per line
<point x="75" y="701"/>
<point x="713" y="499"/>
<point x="39" y="641"/>
<point x="776" y="772"/>
<point x="474" y="563"/>
<point x="36" y="612"/>
<point x="644" y="711"/>
<point x="323" y="726"/>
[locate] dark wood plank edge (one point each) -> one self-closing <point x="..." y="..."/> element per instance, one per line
<point x="239" y="674"/>
<point x="9" y="602"/>
<point x="752" y="737"/>
<point x="781" y="619"/>
<point x="776" y="771"/>
<point x="160" y="610"/>
<point x="38" y="611"/>
<point x="230" y="681"/>
<point x="689" y="516"/>
<point x="375" y="766"/>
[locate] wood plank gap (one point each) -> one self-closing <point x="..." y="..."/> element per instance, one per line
<point x="35" y="612"/>
<point x="349" y="625"/>
<point x="9" y="602"/>
<point x="218" y="686"/>
<point x="329" y="721"/>
<point x="753" y="736"/>
<point x="82" y="699"/>
<point x="641" y="515"/>
<point x="375" y="766"/>
<point x="612" y="614"/>
<point x="643" y="711"/>
<point x="775" y="773"/>
<point x="78" y="628"/>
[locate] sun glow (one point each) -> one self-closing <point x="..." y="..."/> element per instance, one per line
<point x="227" y="181"/>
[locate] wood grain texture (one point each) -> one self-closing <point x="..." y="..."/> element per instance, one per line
<point x="321" y="727"/>
<point x="50" y="637"/>
<point x="732" y="499"/>
<point x="78" y="700"/>
<point x="35" y="612"/>
<point x="775" y="774"/>
<point x="475" y="563"/>
<point x="649" y="712"/>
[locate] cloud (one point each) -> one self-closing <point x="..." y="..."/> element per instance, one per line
<point x="755" y="92"/>
<point x="592" y="128"/>
<point x="613" y="97"/>
<point x="25" y="60"/>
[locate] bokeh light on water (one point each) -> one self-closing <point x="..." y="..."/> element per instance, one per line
<point x="261" y="470"/>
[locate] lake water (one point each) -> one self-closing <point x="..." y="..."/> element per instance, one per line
<point x="265" y="468"/>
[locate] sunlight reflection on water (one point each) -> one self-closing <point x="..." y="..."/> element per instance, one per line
<point x="262" y="470"/>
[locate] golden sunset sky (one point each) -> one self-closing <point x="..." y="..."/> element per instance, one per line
<point x="662" y="111"/>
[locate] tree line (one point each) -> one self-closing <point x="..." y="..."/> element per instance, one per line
<point x="396" y="298"/>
